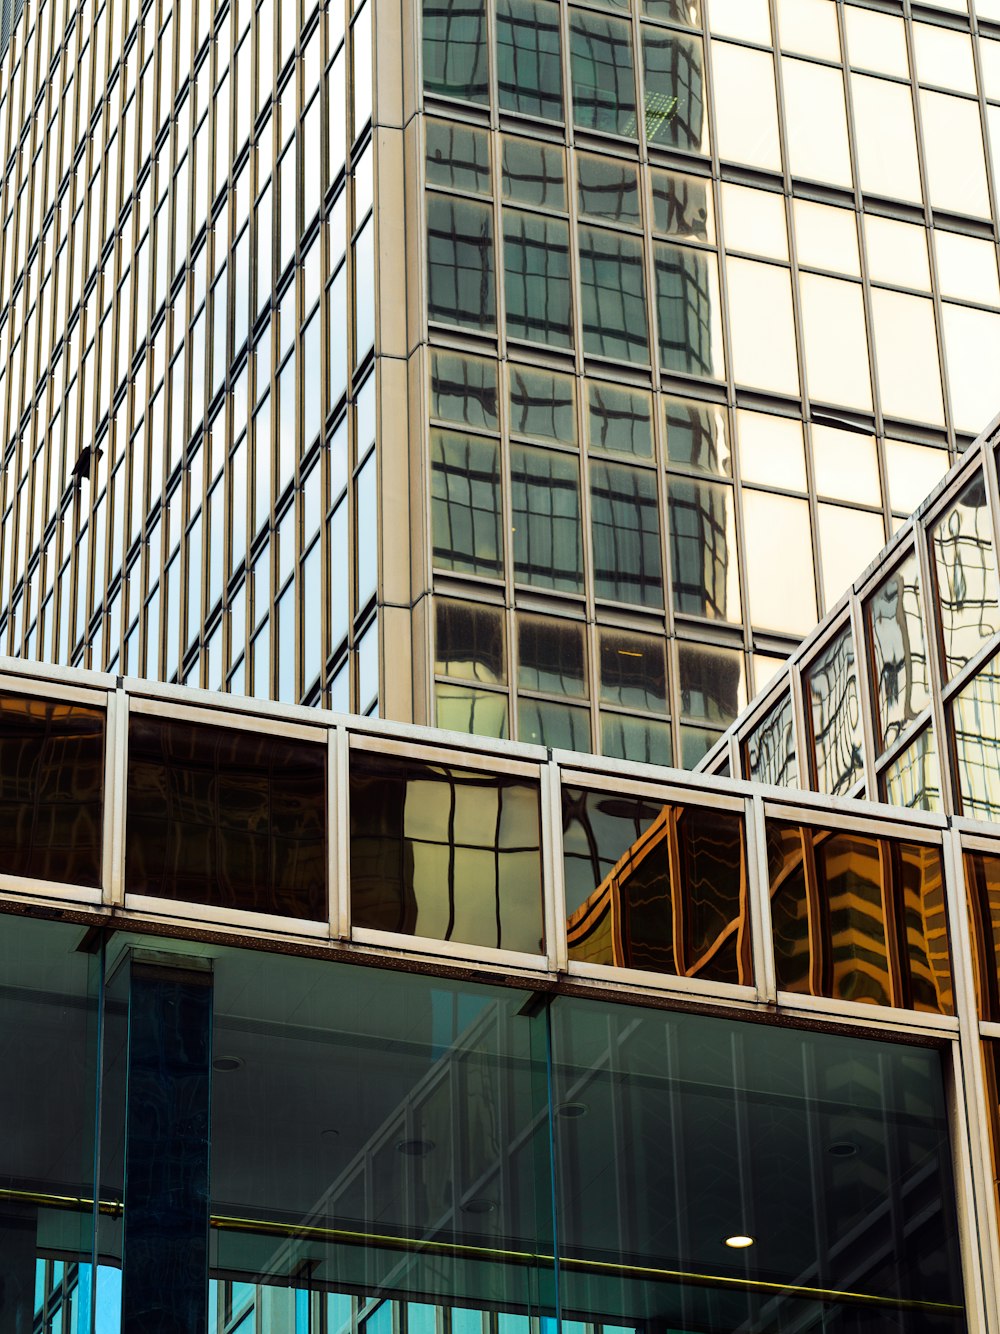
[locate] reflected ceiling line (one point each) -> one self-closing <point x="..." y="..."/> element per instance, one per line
<point x="460" y="1250"/>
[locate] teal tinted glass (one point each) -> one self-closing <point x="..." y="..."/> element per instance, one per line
<point x="536" y="278"/>
<point x="687" y="293"/>
<point x="455" y="49"/>
<point x="545" y="505"/>
<point x="602" y="72"/>
<point x="676" y="114"/>
<point x="534" y="173"/>
<point x="626" y="531"/>
<point x="458" y="156"/>
<point x="613" y="295"/>
<point x="619" y="419"/>
<point x="460" y="263"/>
<point x="529" y="69"/>
<point x="465" y="506"/>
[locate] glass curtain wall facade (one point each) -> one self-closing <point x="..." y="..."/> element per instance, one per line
<point x="711" y="291"/>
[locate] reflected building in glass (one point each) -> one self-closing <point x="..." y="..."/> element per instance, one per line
<point x="479" y="363"/>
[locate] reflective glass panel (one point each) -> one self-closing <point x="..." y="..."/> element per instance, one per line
<point x="754" y="220"/>
<point x="542" y="722"/>
<point x="529" y="69"/>
<point x="465" y="507"/>
<point x="876" y="41"/>
<point x="713" y="689"/>
<point x="602" y="73"/>
<point x="799" y="1139"/>
<point x="656" y="886"/>
<point x="470" y="642"/>
<point x="545" y="514"/>
<point x="762" y="326"/>
<point x="687" y="12"/>
<point x="471" y="711"/>
<point x="51" y="790"/>
<point x="682" y="206"/>
<point x="897" y="252"/>
<point x="550" y="656"/>
<point x="626" y="534"/>
<point x="745" y="78"/>
<point x="972" y="352"/>
<point x="619" y="419"/>
<point x="746" y="20"/>
<point x="464" y="389"/>
<point x="962" y="548"/>
<point x="809" y="27"/>
<point x="771" y="450"/>
<point x="967" y="268"/>
<point x="777" y="532"/>
<point x="697" y="435"/>
<point x="460" y="263"/>
<point x="845" y="465"/>
<point x="848" y="539"/>
<point x="534" y="173"/>
<point x="536" y="278"/>
<point x="914" y="471"/>
<point x="769" y="751"/>
<point x="859" y="918"/>
<point x="704" y="556"/>
<point x="232" y="818"/>
<point x="633" y="670"/>
<point x="899" y="653"/>
<point x="944" y="57"/>
<point x="825" y="237"/>
<point x="982" y="880"/>
<point x="816" y="122"/>
<point x="613" y="295"/>
<point x="953" y="148"/>
<point x="445" y="852"/>
<point x="689" y="314"/>
<point x="887" y="139"/>
<point x="674" y="81"/>
<point x="836" y="344"/>
<point x="831" y="685"/>
<point x="906" y="356"/>
<point x="913" y="778"/>
<point x="542" y="404"/>
<point x="608" y="188"/>
<point x="458" y="156"/>
<point x="976" y="722"/>
<point x="641" y="740"/>
<point x="455" y="49"/>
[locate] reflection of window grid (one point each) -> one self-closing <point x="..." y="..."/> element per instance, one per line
<point x="467" y="504"/>
<point x="675" y="117"/>
<point x="536" y="278"/>
<point x="529" y="74"/>
<point x="626" y="534"/>
<point x="545" y="503"/>
<point x="899" y="653"/>
<point x="836" y="717"/>
<point x="685" y="299"/>
<point x="455" y="48"/>
<point x="460" y="262"/>
<point x="966" y="596"/>
<point x="770" y="748"/>
<point x="700" y="550"/>
<point x="613" y="295"/>
<point x="603" y="85"/>
<point x="976" y="721"/>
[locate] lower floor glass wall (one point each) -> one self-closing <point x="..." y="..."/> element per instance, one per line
<point x="235" y="1140"/>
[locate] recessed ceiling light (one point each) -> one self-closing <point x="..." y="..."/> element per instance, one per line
<point x="224" y="1064"/>
<point x="479" y="1206"/>
<point x="843" y="1148"/>
<point x="329" y="1135"/>
<point x="739" y="1242"/>
<point x="569" y="1110"/>
<point x="415" y="1148"/>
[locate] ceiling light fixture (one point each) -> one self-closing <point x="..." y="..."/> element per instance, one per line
<point x="224" y="1064"/>
<point x="843" y="1148"/>
<point x="571" y="1110"/>
<point x="415" y="1148"/>
<point x="739" y="1242"/>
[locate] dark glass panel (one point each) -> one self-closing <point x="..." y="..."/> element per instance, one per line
<point x="704" y="554"/>
<point x="455" y="49"/>
<point x="445" y="853"/>
<point x="529" y="68"/>
<point x="464" y="389"/>
<point x="543" y="722"/>
<point x="470" y="642"/>
<point x="232" y="818"/>
<point x="858" y="917"/>
<point x="962" y="547"/>
<point x="769" y="751"/>
<point x="682" y="206"/>
<point x="458" y="156"/>
<point x="608" y="189"/>
<point x="687" y="292"/>
<point x="466" y="503"/>
<point x="550" y="656"/>
<point x="676" y="114"/>
<point x="626" y="530"/>
<point x="542" y="404"/>
<point x="533" y="173"/>
<point x="460" y="263"/>
<point x="674" y="1132"/>
<point x="602" y="73"/>
<point x="619" y="420"/>
<point x="613" y="295"/>
<point x="536" y="278"/>
<point x="51" y="790"/>
<point x="697" y="435"/>
<point x="545" y="509"/>
<point x="380" y="1150"/>
<point x="633" y="670"/>
<point x="835" y="716"/>
<point x="982" y="880"/>
<point x="654" y="886"/>
<point x="641" y="740"/>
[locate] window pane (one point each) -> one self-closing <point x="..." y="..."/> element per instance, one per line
<point x="603" y="78"/>
<point x="534" y="173"/>
<point x="913" y="778"/>
<point x="744" y="79"/>
<point x="464" y="389"/>
<point x="704" y="556"/>
<point x="876" y="41"/>
<point x="713" y="689"/>
<point x="835" y="715"/>
<point x="816" y="122"/>
<point x="944" y="57"/>
<point x="466" y="709"/>
<point x="542" y="403"/>
<point x="953" y="146"/>
<point x="619" y="419"/>
<point x="460" y="263"/>
<point x="762" y="326"/>
<point x="470" y="642"/>
<point x="826" y="237"/>
<point x="962" y="548"/>
<point x="550" y="656"/>
<point x="676" y="115"/>
<point x="613" y="295"/>
<point x="967" y="268"/>
<point x="536" y="278"/>
<point x="445" y="853"/>
<point x="466" y="504"/>
<point x="982" y="878"/>
<point x="771" y="450"/>
<point x="836" y="343"/>
<point x="845" y="466"/>
<point x="697" y="435"/>
<point x="641" y="740"/>
<point x="458" y="156"/>
<point x="545" y="502"/>
<point x="529" y="70"/>
<point x="896" y="626"/>
<point x="754" y="221"/>
<point x="626" y="534"/>
<point x="227" y="817"/>
<point x="559" y="726"/>
<point x="778" y="537"/>
<point x="769" y="751"/>
<point x="51" y="790"/>
<point x="690" y="322"/>
<point x="972" y="351"/>
<point x="455" y="45"/>
<point x="633" y="670"/>
<point x="839" y="898"/>
<point x="682" y="206"/>
<point x="809" y="27"/>
<point x="906" y="356"/>
<point x="848" y="539"/>
<point x="897" y="252"/>
<point x="914" y="471"/>
<point x="887" y="140"/>
<point x="608" y="189"/>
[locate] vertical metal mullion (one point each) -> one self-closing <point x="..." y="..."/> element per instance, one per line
<point x="116" y="794"/>
<point x="932" y="642"/>
<point x="865" y="700"/>
<point x="553" y="869"/>
<point x="968" y="1110"/>
<point x="803" y="740"/>
<point x="759" y="891"/>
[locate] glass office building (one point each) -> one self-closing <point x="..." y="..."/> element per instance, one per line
<point x="466" y="363"/>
